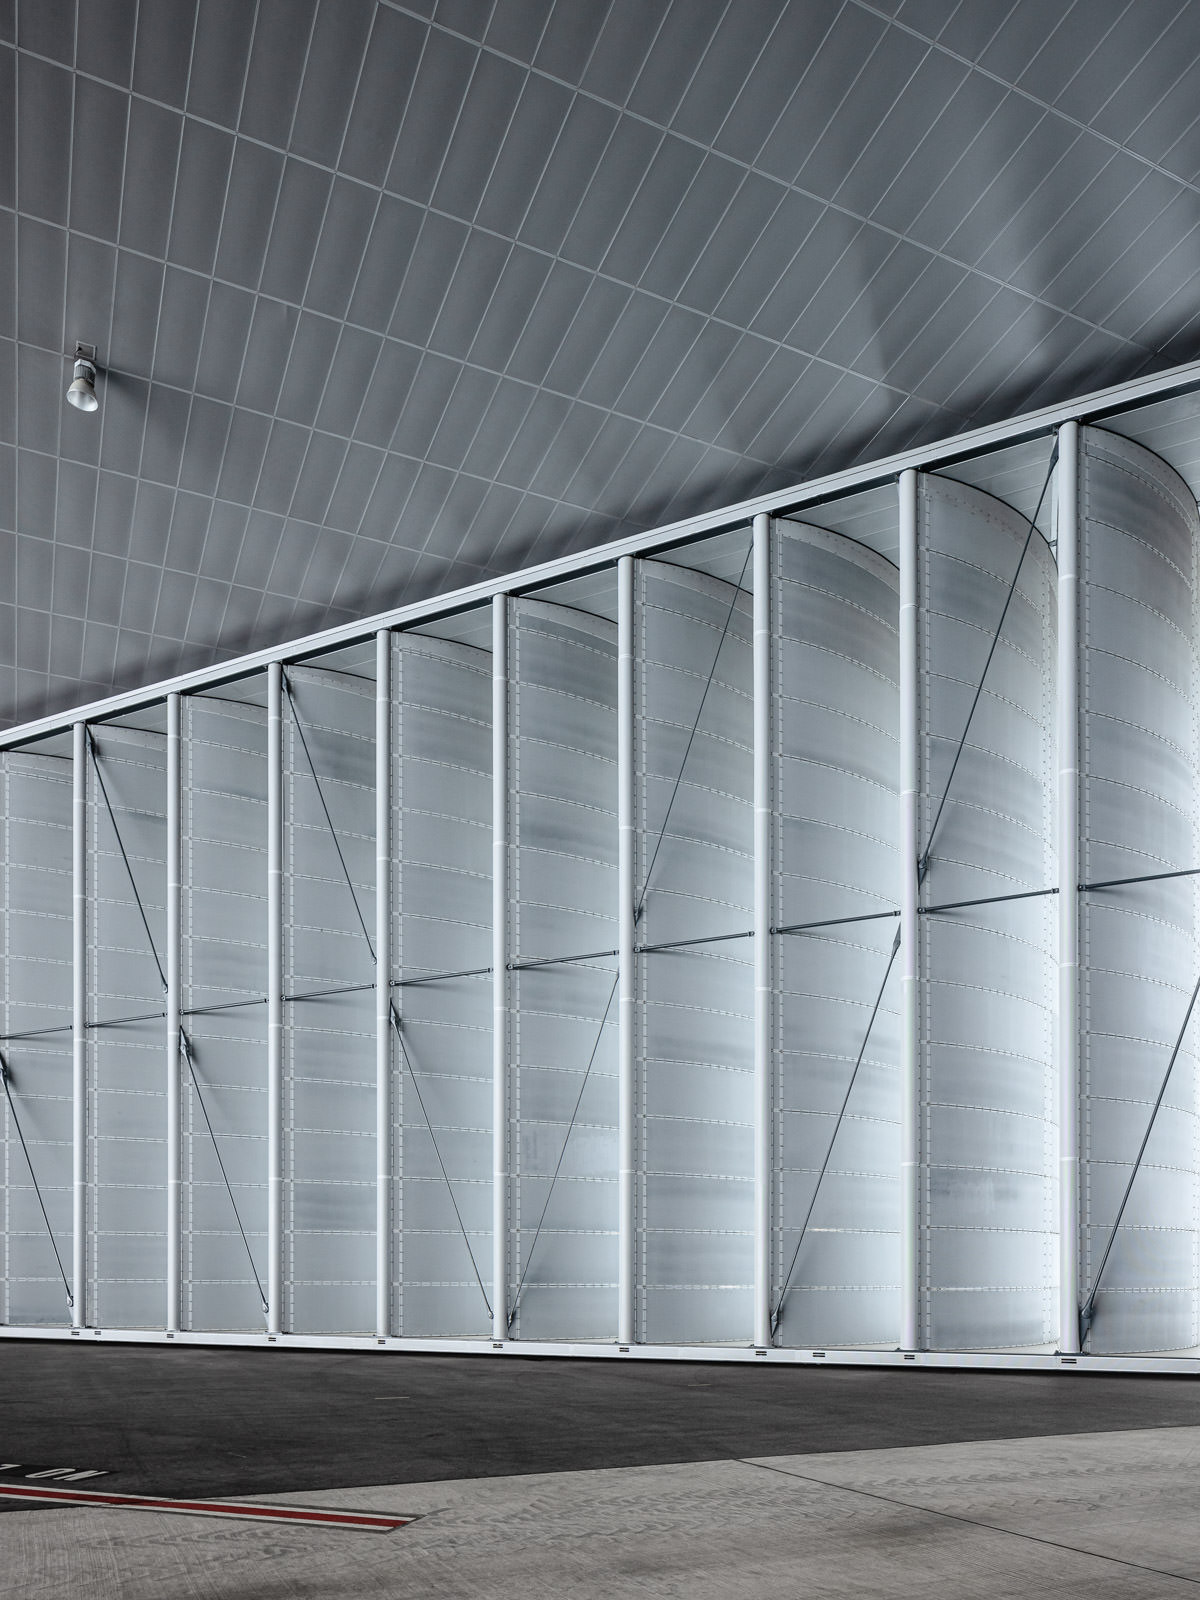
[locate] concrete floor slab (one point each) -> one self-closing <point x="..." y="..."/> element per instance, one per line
<point x="1102" y="1515"/>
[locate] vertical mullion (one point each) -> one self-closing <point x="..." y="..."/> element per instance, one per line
<point x="383" y="990"/>
<point x="275" y="998"/>
<point x="1067" y="523"/>
<point x="79" y="1025"/>
<point x="910" y="930"/>
<point x="500" y="973"/>
<point x="626" y="971"/>
<point x="762" y="931"/>
<point x="174" y="1002"/>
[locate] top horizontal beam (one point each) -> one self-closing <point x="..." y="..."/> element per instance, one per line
<point x="945" y="452"/>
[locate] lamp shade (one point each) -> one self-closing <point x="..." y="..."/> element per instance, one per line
<point x="82" y="393"/>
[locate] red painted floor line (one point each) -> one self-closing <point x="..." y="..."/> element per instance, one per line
<point x="210" y="1508"/>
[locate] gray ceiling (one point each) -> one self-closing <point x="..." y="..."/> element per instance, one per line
<point x="391" y="296"/>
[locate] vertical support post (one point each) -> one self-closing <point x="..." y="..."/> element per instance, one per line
<point x="275" y="998"/>
<point x="79" y="1025"/>
<point x="500" y="973"/>
<point x="626" y="959"/>
<point x="762" y="930"/>
<point x="910" y="931"/>
<point x="383" y="983"/>
<point x="1067" y="522"/>
<point x="174" y="1003"/>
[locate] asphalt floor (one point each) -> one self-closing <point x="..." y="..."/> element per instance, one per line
<point x="196" y="1421"/>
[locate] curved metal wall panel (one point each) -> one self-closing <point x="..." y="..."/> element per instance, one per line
<point x="224" y="965"/>
<point x="441" y="923"/>
<point x="1139" y="781"/>
<point x="563" y="1087"/>
<point x="835" y="781"/>
<point x="127" y="1128"/>
<point x="35" y="994"/>
<point x="329" y="1075"/>
<point x="988" y="1249"/>
<point x="695" y="1095"/>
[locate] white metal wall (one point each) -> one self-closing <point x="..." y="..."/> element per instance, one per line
<point x="989" y="1245"/>
<point x="694" y="877"/>
<point x="546" y="987"/>
<point x="224" y="959"/>
<point x="441" y="849"/>
<point x="836" y="1214"/>
<point x="562" y="1104"/>
<point x="127" y="1072"/>
<point x="1139" y="771"/>
<point x="35" y="956"/>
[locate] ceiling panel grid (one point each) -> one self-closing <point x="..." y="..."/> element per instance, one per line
<point x="390" y="297"/>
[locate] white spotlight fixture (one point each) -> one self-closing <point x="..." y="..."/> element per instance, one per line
<point x="82" y="393"/>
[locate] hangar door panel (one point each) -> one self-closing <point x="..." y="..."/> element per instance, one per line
<point x="835" y="781"/>
<point x="563" y="1087"/>
<point x="329" y="1021"/>
<point x="441" y="926"/>
<point x="1138" y="607"/>
<point x="35" y="969"/>
<point x="224" y="928"/>
<point x="127" y="1069"/>
<point x="989" y="1249"/>
<point x="695" y="877"/>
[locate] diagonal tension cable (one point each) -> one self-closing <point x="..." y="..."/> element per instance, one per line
<point x="639" y="909"/>
<point x="392" y="1012"/>
<point x="1012" y="589"/>
<point x="512" y="1315"/>
<point x="125" y="858"/>
<point x="862" y="1050"/>
<point x="395" y="1016"/>
<point x="662" y="832"/>
<point x="1087" y="1311"/>
<point x="4" y="1077"/>
<point x="287" y="683"/>
<point x="186" y="1049"/>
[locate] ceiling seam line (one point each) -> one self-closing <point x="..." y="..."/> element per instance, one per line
<point x="210" y="278"/>
<point x="1043" y="105"/>
<point x="433" y="25"/>
<point x="594" y="272"/>
<point x="525" y="383"/>
<point x="646" y="121"/>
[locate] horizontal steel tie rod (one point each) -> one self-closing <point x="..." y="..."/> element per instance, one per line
<point x="989" y="900"/>
<point x="1150" y="877"/>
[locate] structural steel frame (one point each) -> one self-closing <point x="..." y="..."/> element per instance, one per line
<point x="903" y="470"/>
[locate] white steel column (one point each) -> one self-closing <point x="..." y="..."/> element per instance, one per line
<point x="383" y="983"/>
<point x="910" y="934"/>
<point x="626" y="960"/>
<point x="174" y="1003"/>
<point x="762" y="930"/>
<point x="1067" y="523"/>
<point x="79" y="1026"/>
<point x="274" y="998"/>
<point x="500" y="975"/>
